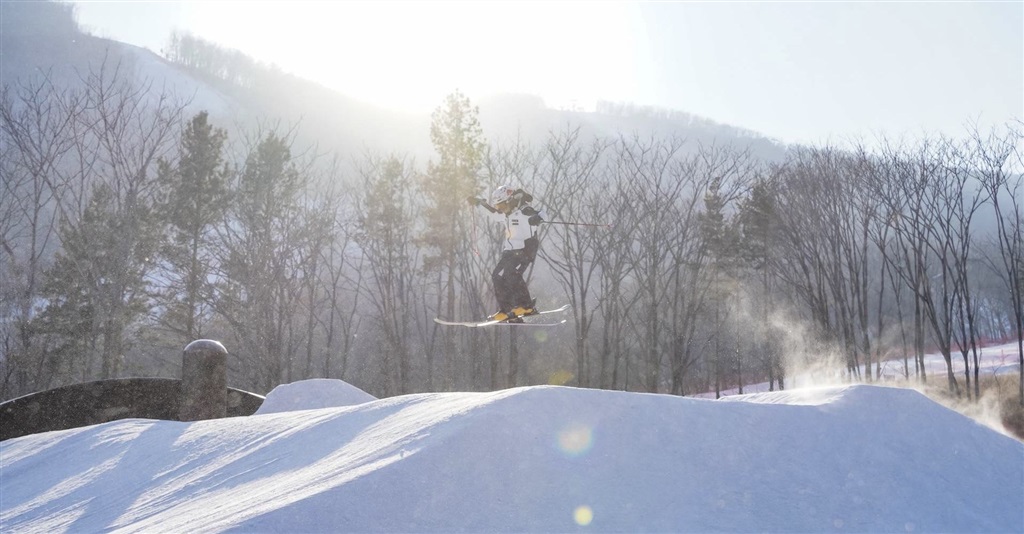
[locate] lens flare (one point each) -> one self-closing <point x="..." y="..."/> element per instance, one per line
<point x="576" y="439"/>
<point x="583" y="515"/>
<point x="559" y="378"/>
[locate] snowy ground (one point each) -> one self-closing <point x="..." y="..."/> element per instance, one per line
<point x="995" y="360"/>
<point x="552" y="459"/>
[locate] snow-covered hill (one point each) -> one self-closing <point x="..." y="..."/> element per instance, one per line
<point x="553" y="459"/>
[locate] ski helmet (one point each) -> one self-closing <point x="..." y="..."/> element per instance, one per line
<point x="502" y="194"/>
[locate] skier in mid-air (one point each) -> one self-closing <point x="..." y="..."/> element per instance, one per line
<point x="511" y="206"/>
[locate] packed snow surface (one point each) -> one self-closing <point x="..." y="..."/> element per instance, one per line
<point x="552" y="459"/>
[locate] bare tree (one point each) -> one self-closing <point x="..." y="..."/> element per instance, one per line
<point x="959" y="197"/>
<point x="655" y="180"/>
<point x="993" y="158"/>
<point x="263" y="244"/>
<point x="927" y="239"/>
<point x="578" y="207"/>
<point x="127" y="126"/>
<point x="35" y="140"/>
<point x="617" y="299"/>
<point x="385" y="237"/>
<point x="805" y="251"/>
<point x="827" y="217"/>
<point x="339" y="280"/>
<point x="321" y="229"/>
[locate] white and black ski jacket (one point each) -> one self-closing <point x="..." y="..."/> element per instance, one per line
<point x="520" y="225"/>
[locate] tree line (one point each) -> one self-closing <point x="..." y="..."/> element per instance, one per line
<point x="217" y="62"/>
<point x="130" y="227"/>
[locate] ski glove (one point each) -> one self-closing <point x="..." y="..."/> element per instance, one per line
<point x="534" y="215"/>
<point x="473" y="201"/>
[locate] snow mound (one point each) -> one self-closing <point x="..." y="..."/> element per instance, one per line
<point x="313" y="394"/>
<point x="551" y="459"/>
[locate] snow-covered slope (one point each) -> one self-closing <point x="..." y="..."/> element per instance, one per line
<point x="554" y="459"/>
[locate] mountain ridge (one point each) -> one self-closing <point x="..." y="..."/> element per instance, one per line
<point x="36" y="38"/>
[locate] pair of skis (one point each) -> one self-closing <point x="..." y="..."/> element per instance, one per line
<point x="477" y="324"/>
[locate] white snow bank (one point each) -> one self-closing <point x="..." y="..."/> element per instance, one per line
<point x="552" y="459"/>
<point x="313" y="394"/>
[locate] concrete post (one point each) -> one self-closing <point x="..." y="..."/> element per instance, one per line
<point x="204" y="388"/>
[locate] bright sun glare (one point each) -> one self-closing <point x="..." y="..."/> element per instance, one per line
<point x="409" y="55"/>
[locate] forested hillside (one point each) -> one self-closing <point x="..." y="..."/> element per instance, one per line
<point x="244" y="205"/>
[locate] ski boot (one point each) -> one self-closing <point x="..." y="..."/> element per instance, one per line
<point x="501" y="316"/>
<point x="522" y="311"/>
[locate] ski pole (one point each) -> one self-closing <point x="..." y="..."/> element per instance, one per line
<point x="567" y="223"/>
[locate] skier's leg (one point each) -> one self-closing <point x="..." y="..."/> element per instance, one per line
<point x="521" y="292"/>
<point x="502" y="279"/>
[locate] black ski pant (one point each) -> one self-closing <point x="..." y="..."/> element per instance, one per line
<point x="509" y="285"/>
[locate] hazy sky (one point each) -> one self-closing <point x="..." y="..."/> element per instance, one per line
<point x="796" y="71"/>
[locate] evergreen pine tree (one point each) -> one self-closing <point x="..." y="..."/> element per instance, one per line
<point x="720" y="239"/>
<point x="196" y="199"/>
<point x="457" y="137"/>
<point x="759" y="224"/>
<point x="96" y="289"/>
<point x="386" y="242"/>
<point x="262" y="245"/>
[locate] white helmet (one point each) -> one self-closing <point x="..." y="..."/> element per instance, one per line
<point x="503" y="193"/>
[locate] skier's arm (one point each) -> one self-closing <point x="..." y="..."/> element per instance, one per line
<point x="473" y="201"/>
<point x="522" y="196"/>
